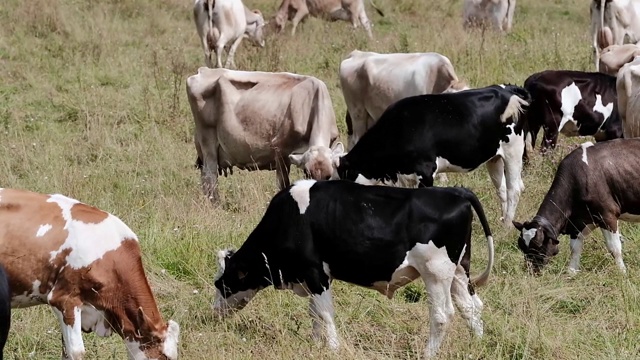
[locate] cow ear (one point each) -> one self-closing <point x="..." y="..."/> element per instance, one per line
<point x="518" y="225"/>
<point x="337" y="149"/>
<point x="296" y="159"/>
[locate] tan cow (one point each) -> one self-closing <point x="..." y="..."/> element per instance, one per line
<point x="332" y="10"/>
<point x="496" y="13"/>
<point x="86" y="264"/>
<point x="371" y="82"/>
<point x="615" y="56"/>
<point x="261" y="121"/>
<point x="220" y="22"/>
<point x="620" y="19"/>
<point x="628" y="90"/>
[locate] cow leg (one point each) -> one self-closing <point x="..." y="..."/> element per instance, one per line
<point x="300" y="14"/>
<point x="232" y="52"/>
<point x="495" y="167"/>
<point x="282" y="171"/>
<point x="576" y="249"/>
<point x="364" y="20"/>
<point x="513" y="151"/>
<point x="469" y="306"/>
<point x="207" y="51"/>
<point x="438" y="276"/>
<point x="322" y="312"/>
<point x="614" y="244"/>
<point x="69" y="314"/>
<point x="208" y="153"/>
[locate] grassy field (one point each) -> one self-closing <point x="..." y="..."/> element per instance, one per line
<point x="93" y="105"/>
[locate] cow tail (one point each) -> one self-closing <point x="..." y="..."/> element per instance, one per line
<point x="376" y="8"/>
<point x="481" y="279"/>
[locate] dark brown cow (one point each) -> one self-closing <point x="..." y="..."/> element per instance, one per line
<point x="86" y="264"/>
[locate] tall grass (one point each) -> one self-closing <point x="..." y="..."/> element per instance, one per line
<point x="92" y="105"/>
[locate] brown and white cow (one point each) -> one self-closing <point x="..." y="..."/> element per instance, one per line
<point x="618" y="20"/>
<point x="628" y="89"/>
<point x="261" y="121"/>
<point x="371" y="82"/>
<point x="332" y="10"/>
<point x="496" y="13"/>
<point x="615" y="56"/>
<point x="86" y="264"/>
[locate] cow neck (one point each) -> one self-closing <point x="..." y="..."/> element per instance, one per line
<point x="555" y="210"/>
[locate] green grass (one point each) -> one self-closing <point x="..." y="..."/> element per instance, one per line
<point x="93" y="105"/>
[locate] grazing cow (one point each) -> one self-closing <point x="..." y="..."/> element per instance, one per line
<point x="260" y="120"/>
<point x="220" y="22"/>
<point x="371" y="82"/>
<point x="620" y="19"/>
<point x="573" y="103"/>
<point x="628" y="87"/>
<point x="594" y="186"/>
<point x="376" y="237"/>
<point x="331" y="10"/>
<point x="5" y="309"/>
<point x="86" y="264"/>
<point x="615" y="56"/>
<point x="497" y="13"/>
<point x="456" y="132"/>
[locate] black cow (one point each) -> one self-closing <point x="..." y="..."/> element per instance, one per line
<point x="574" y="103"/>
<point x="377" y="237"/>
<point x="594" y="186"/>
<point x="457" y="132"/>
<point x="5" y="309"/>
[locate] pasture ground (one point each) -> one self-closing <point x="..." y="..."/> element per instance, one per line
<point x="93" y="105"/>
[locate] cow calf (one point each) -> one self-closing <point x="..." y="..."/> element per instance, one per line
<point x="376" y="237"/>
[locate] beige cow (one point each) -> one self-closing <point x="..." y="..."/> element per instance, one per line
<point x="220" y="22"/>
<point x="371" y="82"/>
<point x="86" y="264"/>
<point x="332" y="10"/>
<point x="620" y="19"/>
<point x="628" y="90"/>
<point x="496" y="13"/>
<point x="261" y="121"/>
<point x="615" y="56"/>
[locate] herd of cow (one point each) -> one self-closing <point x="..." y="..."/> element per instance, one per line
<point x="367" y="214"/>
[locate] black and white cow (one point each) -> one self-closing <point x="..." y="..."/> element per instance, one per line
<point x="574" y="103"/>
<point x="594" y="186"/>
<point x="5" y="309"/>
<point x="420" y="136"/>
<point x="378" y="237"/>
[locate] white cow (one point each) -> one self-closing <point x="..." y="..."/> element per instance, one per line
<point x="371" y="82"/>
<point x="620" y="19"/>
<point x="261" y="121"/>
<point x="498" y="13"/>
<point x="613" y="57"/>
<point x="628" y="90"/>
<point x="220" y="22"/>
<point x="332" y="10"/>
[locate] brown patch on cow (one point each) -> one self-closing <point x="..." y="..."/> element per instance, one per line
<point x="87" y="214"/>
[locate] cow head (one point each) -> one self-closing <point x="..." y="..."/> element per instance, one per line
<point x="153" y="341"/>
<point x="538" y="241"/>
<point x="255" y="28"/>
<point x="319" y="162"/>
<point x="233" y="288"/>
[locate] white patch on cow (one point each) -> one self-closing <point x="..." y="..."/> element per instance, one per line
<point x="513" y="109"/>
<point x="325" y="268"/>
<point x="93" y="320"/>
<point x="438" y="259"/>
<point x="321" y="308"/>
<point x="604" y="110"/>
<point x="528" y="234"/>
<point x="30" y="298"/>
<point x="464" y="250"/>
<point x="43" y="229"/>
<point x="403" y="180"/>
<point x="72" y="334"/>
<point x="171" y="339"/>
<point x="364" y="181"/>
<point x="570" y="97"/>
<point x="443" y="165"/>
<point x="300" y="193"/>
<point x="629" y="217"/>
<point x="88" y="242"/>
<point x="502" y="86"/>
<point x="584" y="147"/>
